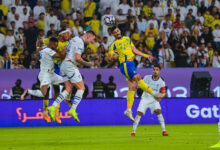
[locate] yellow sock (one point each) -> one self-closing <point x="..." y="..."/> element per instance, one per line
<point x="57" y="109"/>
<point x="144" y="86"/>
<point x="130" y="99"/>
<point x="45" y="104"/>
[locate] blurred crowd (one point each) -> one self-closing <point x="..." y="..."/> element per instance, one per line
<point x="178" y="33"/>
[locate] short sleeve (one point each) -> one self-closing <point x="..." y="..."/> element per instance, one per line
<point x="132" y="44"/>
<point x="50" y="52"/>
<point x="79" y="48"/>
<point x="112" y="48"/>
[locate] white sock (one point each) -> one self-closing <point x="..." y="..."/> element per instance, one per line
<point x="128" y="109"/>
<point x="36" y="93"/>
<point x="68" y="98"/>
<point x="77" y="98"/>
<point x="60" y="98"/>
<point x="136" y="123"/>
<point x="161" y="120"/>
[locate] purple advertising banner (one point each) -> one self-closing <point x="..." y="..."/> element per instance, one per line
<point x="177" y="79"/>
<point x="110" y="112"/>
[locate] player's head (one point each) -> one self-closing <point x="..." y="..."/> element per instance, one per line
<point x="64" y="34"/>
<point x="89" y="37"/>
<point x="116" y="32"/>
<point x="156" y="70"/>
<point x="53" y="43"/>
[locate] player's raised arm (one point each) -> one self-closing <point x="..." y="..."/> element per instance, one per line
<point x="139" y="53"/>
<point x="79" y="59"/>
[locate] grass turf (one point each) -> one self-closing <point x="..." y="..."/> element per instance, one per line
<point x="148" y="137"/>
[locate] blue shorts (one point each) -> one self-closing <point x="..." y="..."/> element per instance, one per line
<point x="128" y="69"/>
<point x="57" y="69"/>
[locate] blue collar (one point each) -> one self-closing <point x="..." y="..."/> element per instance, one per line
<point x="155" y="80"/>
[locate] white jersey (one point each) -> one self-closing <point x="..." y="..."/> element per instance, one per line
<point x="75" y="46"/>
<point x="47" y="60"/>
<point x="156" y="85"/>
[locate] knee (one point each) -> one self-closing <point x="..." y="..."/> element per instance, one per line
<point x="132" y="87"/>
<point x="157" y="111"/>
<point x="137" y="77"/>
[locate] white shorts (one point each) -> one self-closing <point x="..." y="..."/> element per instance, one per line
<point x="146" y="103"/>
<point x="49" y="78"/>
<point x="70" y="72"/>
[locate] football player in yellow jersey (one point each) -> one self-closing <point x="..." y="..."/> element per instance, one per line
<point x="126" y="51"/>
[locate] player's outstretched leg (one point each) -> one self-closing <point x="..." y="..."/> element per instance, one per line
<point x="56" y="94"/>
<point x="77" y="98"/>
<point x="146" y="88"/>
<point x="130" y="98"/>
<point x="45" y="112"/>
<point x="130" y="101"/>
<point x="136" y="123"/>
<point x="59" y="99"/>
<point x="162" y="122"/>
<point x="36" y="93"/>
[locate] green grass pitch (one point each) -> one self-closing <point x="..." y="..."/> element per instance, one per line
<point x="148" y="137"/>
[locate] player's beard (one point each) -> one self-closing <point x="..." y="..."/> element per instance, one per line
<point x="118" y="36"/>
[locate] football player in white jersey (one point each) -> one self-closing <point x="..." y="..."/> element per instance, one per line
<point x="71" y="73"/>
<point x="148" y="101"/>
<point x="47" y="76"/>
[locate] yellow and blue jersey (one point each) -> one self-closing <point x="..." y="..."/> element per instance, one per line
<point x="123" y="48"/>
<point x="57" y="61"/>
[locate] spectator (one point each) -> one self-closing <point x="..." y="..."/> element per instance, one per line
<point x="122" y="20"/>
<point x="142" y="24"/>
<point x="98" y="87"/>
<point x="110" y="88"/>
<point x="104" y="26"/>
<point x="27" y="59"/>
<point x="147" y="9"/>
<point x="9" y="41"/>
<point x="2" y="40"/>
<point x="124" y="7"/>
<point x="17" y="90"/>
<point x="152" y="30"/>
<point x="69" y="21"/>
<point x="181" y="56"/>
<point x="65" y="5"/>
<point x="216" y="36"/>
<point x="94" y="24"/>
<point x="51" y="19"/>
<point x="77" y="29"/>
<point x="166" y="56"/>
<point x="24" y="16"/>
<point x="11" y="15"/>
<point x="216" y="21"/>
<point x="89" y="10"/>
<point x="41" y="22"/>
<point x="31" y="37"/>
<point x="216" y="60"/>
<point x="3" y="8"/>
<point x="206" y="36"/>
<point x="7" y="61"/>
<point x="158" y="11"/>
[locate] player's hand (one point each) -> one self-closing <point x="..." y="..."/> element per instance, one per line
<point x="149" y="57"/>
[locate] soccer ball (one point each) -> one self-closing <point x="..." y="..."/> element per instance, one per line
<point x="109" y="20"/>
